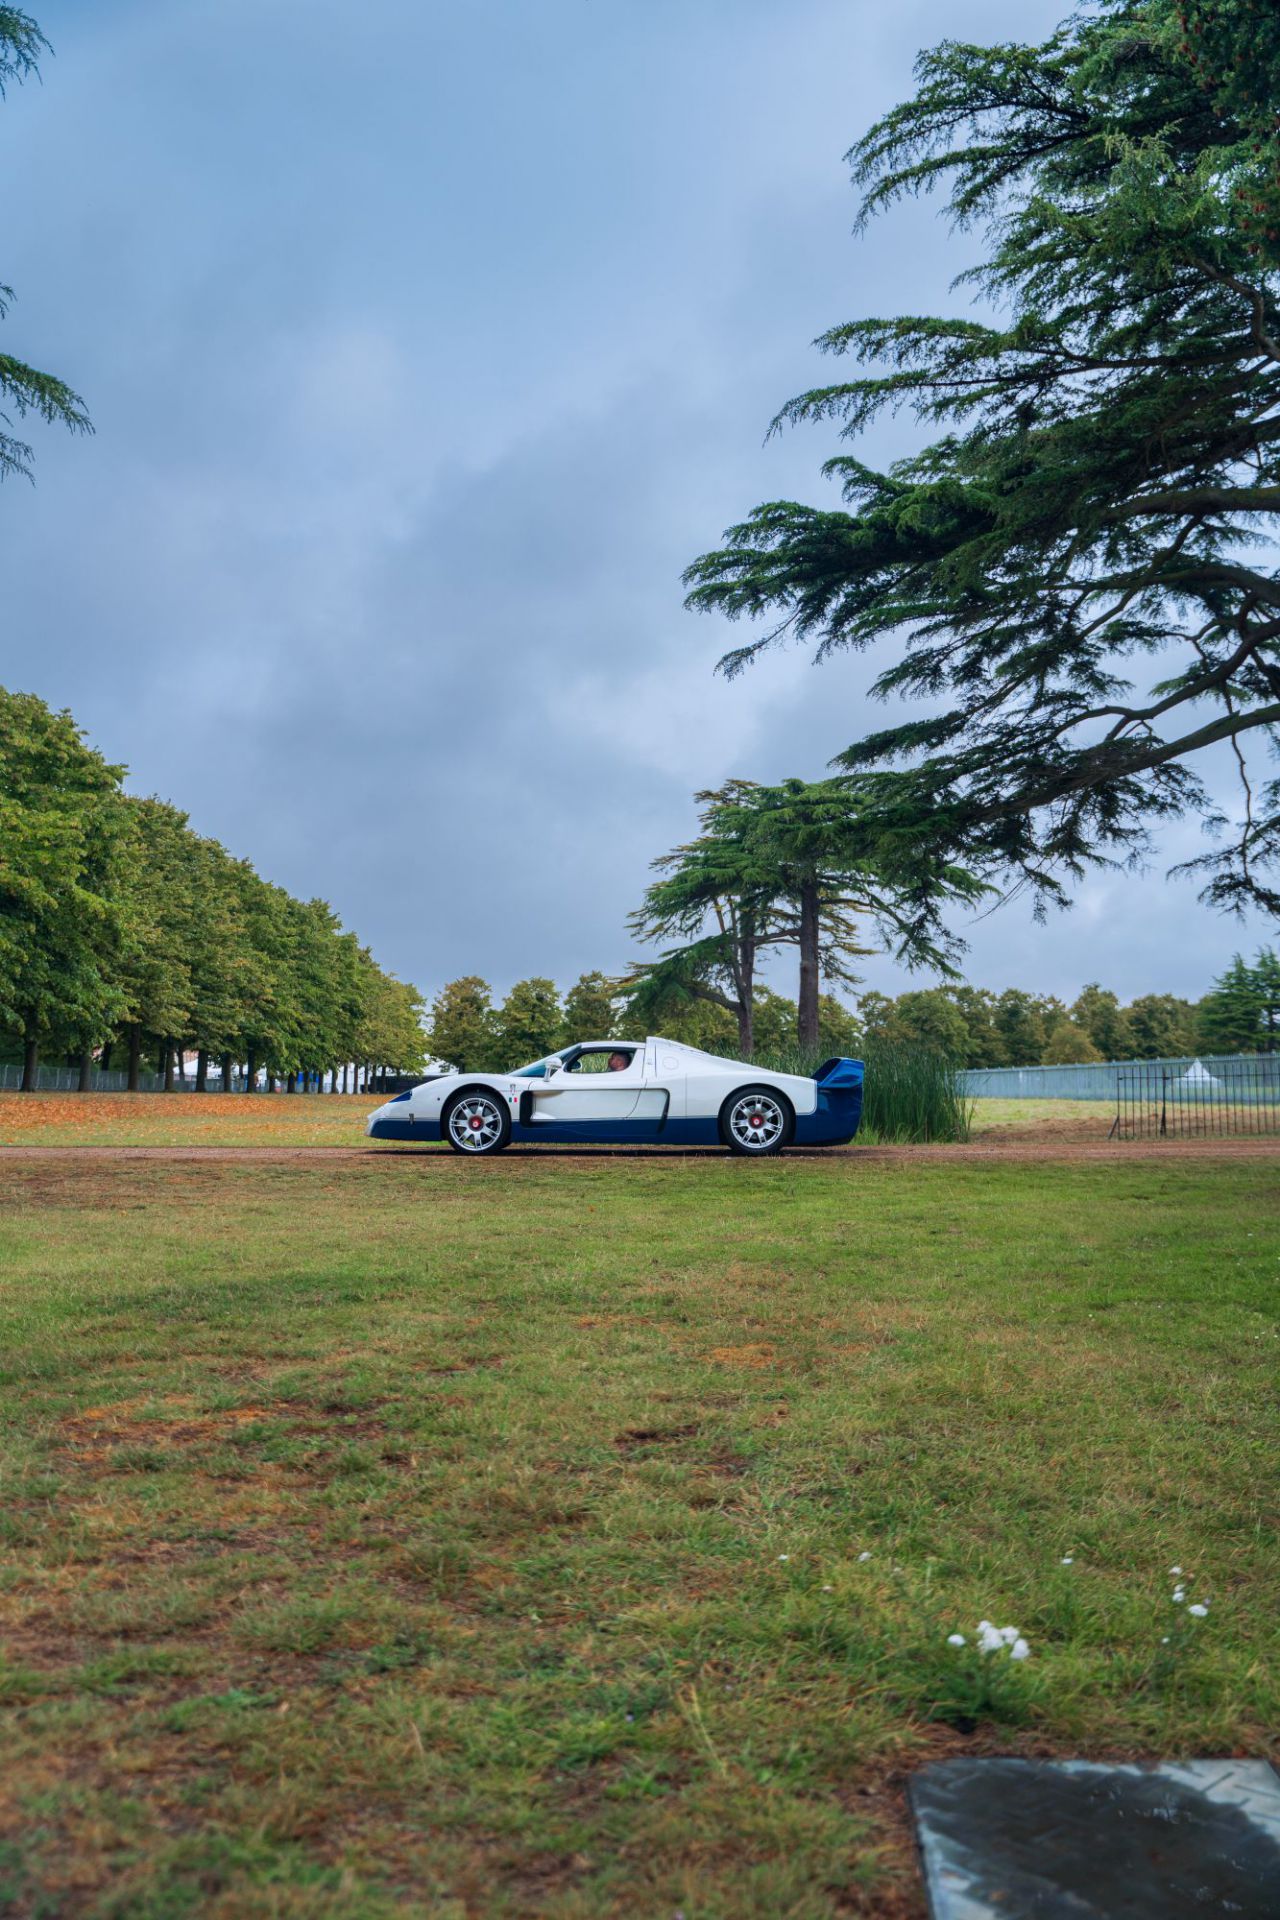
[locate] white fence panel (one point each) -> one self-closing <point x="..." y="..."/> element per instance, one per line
<point x="1096" y="1081"/>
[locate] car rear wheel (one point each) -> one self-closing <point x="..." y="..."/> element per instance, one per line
<point x="477" y="1122"/>
<point x="756" y="1120"/>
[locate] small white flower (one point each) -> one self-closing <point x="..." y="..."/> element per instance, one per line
<point x="1009" y="1635"/>
<point x="784" y="1556"/>
<point x="1198" y="1611"/>
<point x="1019" y="1650"/>
<point x="990" y="1639"/>
<point x="1175" y="1569"/>
<point x="828" y="1589"/>
<point x="1164" y="1639"/>
<point x="955" y="1640"/>
<point x="1066" y="1560"/>
<point x="1179" y="1595"/>
<point x="864" y="1556"/>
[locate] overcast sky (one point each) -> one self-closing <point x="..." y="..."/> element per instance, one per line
<point x="421" y="364"/>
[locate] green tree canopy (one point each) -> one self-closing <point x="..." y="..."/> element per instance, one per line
<point x="23" y="390"/>
<point x="782" y="865"/>
<point x="64" y="864"/>
<point x="462" y="1026"/>
<point x="118" y="922"/>
<point x="1161" y="1026"/>
<point x="529" y="1022"/>
<point x="1020" y="1026"/>
<point x="1104" y="486"/>
<point x="929" y="1018"/>
<point x="1242" y="1014"/>
<point x="1097" y="1012"/>
<point x="1068" y="1045"/>
<point x="976" y="1007"/>
<point x="388" y="1027"/>
<point x="161" y="912"/>
<point x="590" y="1011"/>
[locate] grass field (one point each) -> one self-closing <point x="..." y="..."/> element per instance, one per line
<point x="1089" y="1118"/>
<point x="185" y="1119"/>
<point x="213" y="1119"/>
<point x="404" y="1536"/>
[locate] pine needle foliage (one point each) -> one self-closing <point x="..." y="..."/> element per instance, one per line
<point x="24" y="391"/>
<point x="1080" y="566"/>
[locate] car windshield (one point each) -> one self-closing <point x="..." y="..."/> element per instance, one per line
<point x="536" y="1069"/>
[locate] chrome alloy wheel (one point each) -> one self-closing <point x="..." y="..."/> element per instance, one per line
<point x="756" y="1123"/>
<point x="476" y="1123"/>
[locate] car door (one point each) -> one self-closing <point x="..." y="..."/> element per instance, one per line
<point x="586" y="1100"/>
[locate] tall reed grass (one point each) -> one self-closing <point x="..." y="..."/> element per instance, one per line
<point x="910" y="1095"/>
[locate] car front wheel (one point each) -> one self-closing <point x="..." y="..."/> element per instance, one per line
<point x="755" y="1121"/>
<point x="477" y="1122"/>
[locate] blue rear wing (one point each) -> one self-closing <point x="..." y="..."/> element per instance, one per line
<point x="840" y="1076"/>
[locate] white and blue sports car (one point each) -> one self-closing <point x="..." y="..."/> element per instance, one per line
<point x="652" y="1091"/>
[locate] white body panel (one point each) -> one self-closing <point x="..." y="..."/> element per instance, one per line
<point x="666" y="1083"/>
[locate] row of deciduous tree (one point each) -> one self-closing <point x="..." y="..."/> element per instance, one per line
<point x="1019" y="1029"/>
<point x="126" y="936"/>
<point x="470" y="1033"/>
<point x="970" y="1025"/>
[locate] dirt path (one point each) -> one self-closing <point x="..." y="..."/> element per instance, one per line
<point x="989" y="1148"/>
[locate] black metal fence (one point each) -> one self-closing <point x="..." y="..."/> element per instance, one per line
<point x="1179" y="1102"/>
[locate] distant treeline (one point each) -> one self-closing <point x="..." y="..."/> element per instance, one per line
<point x="977" y="1028"/>
<point x="125" y="937"/>
<point x="968" y="1025"/>
<point x="471" y="1033"/>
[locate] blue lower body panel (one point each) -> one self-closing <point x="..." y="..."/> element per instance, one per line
<point x="835" y="1122"/>
<point x="403" y="1130"/>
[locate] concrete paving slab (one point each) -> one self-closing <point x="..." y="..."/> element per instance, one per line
<point x="1078" y="1840"/>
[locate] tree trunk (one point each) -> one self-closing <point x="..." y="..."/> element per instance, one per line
<point x="162" y="1055"/>
<point x="745" y="982"/>
<point x="86" y="1070"/>
<point x="30" y="1065"/>
<point x="251" y="1071"/>
<point x="135" y="1057"/>
<point x="809" y="966"/>
<point x="344" y="1076"/>
<point x="227" y="1072"/>
<point x="202" y="1070"/>
<point x="291" y="1083"/>
<point x="166" y="1053"/>
<point x="104" y="1058"/>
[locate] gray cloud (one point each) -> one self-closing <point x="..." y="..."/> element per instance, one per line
<point x="421" y="365"/>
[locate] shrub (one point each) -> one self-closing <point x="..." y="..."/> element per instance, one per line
<point x="910" y="1094"/>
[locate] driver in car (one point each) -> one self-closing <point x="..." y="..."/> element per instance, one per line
<point x="619" y="1062"/>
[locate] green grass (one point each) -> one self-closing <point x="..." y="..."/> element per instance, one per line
<point x="184" y="1119"/>
<point x="1049" y="1117"/>
<point x="418" y="1537"/>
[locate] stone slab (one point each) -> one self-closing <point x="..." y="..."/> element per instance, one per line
<point x="1077" y="1840"/>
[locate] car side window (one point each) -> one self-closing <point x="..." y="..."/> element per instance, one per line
<point x="605" y="1060"/>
